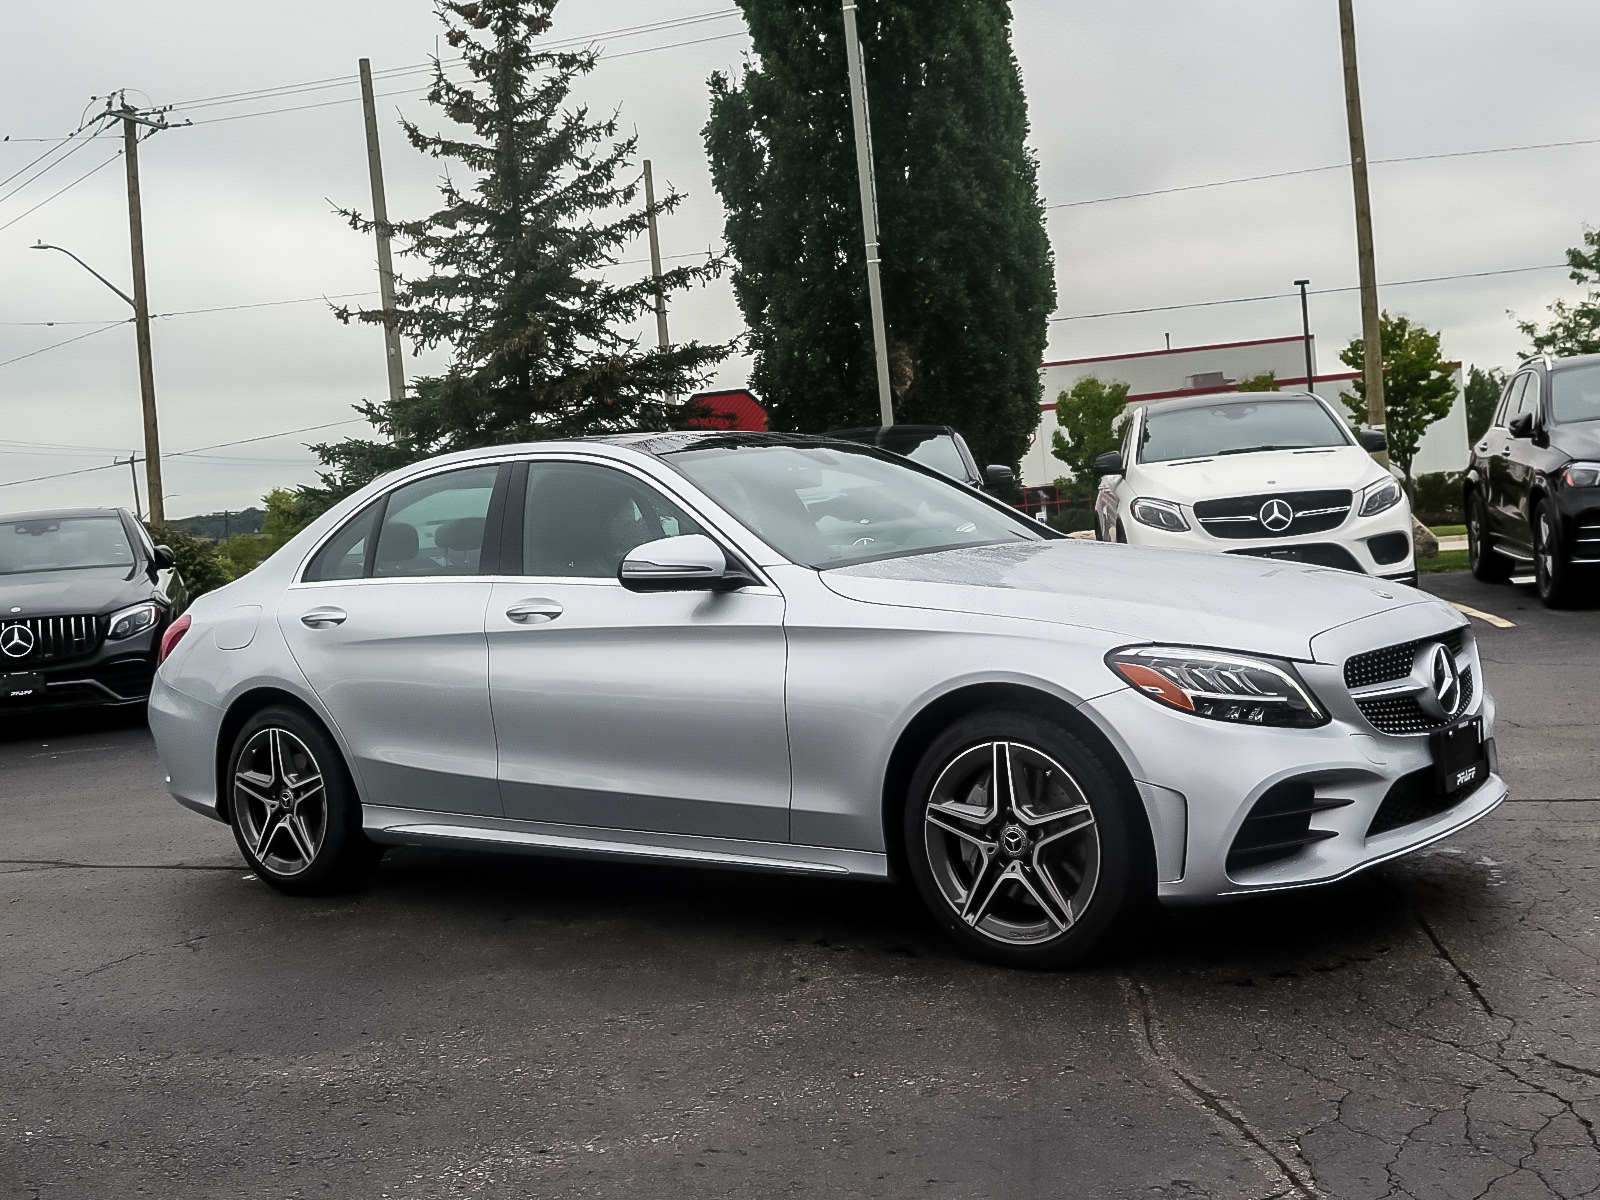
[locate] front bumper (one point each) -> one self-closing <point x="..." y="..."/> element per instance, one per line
<point x="1354" y="538"/>
<point x="115" y="675"/>
<point x="1201" y="779"/>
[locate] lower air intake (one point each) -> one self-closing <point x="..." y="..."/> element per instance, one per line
<point x="1279" y="825"/>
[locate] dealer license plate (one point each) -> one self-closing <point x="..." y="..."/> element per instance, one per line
<point x="21" y="685"/>
<point x="1459" y="761"/>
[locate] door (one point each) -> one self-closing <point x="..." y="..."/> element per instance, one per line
<point x="1511" y="470"/>
<point x="389" y="633"/>
<point x="658" y="712"/>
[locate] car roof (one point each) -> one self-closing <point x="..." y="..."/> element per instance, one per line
<point x="49" y="514"/>
<point x="1562" y="364"/>
<point x="707" y="439"/>
<point x="1210" y="399"/>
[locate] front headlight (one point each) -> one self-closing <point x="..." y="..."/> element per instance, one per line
<point x="133" y="620"/>
<point x="1383" y="495"/>
<point x="1221" y="687"/>
<point x="1581" y="474"/>
<point x="1159" y="514"/>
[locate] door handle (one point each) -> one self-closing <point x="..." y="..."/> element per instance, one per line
<point x="322" y="618"/>
<point x="534" y="612"/>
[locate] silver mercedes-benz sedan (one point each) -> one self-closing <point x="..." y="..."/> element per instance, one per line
<point x="803" y="655"/>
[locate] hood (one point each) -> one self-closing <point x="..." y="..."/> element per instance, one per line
<point x="66" y="593"/>
<point x="1581" y="439"/>
<point x="1135" y="594"/>
<point x="1265" y="471"/>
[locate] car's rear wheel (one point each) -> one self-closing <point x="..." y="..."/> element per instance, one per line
<point x="1018" y="839"/>
<point x="1553" y="575"/>
<point x="1487" y="564"/>
<point x="292" y="806"/>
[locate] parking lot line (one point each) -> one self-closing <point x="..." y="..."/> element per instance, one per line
<point x="1497" y="622"/>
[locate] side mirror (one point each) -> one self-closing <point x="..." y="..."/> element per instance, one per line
<point x="1521" y="426"/>
<point x="1373" y="441"/>
<point x="164" y="558"/>
<point x="1109" y="463"/>
<point x="688" y="563"/>
<point x="999" y="476"/>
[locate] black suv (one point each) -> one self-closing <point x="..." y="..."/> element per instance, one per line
<point x="84" y="600"/>
<point x="1533" y="485"/>
<point x="936" y="446"/>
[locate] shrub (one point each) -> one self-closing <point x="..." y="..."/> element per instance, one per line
<point x="1436" y="498"/>
<point x="197" y="560"/>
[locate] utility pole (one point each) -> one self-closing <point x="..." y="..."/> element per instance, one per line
<point x="1305" y="325"/>
<point x="131" y="121"/>
<point x="132" y="470"/>
<point x="380" y="218"/>
<point x="869" y="206"/>
<point x="1371" y="331"/>
<point x="655" y="264"/>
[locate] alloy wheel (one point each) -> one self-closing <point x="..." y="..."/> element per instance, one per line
<point x="280" y="801"/>
<point x="1012" y="842"/>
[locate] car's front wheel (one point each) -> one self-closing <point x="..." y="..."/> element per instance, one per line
<point x="293" y="807"/>
<point x="1553" y="575"/>
<point x="1018" y="839"/>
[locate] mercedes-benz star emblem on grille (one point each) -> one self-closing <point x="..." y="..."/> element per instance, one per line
<point x="1276" y="515"/>
<point x="16" y="641"/>
<point x="1445" y="678"/>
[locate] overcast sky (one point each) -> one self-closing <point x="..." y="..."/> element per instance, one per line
<point x="1125" y="96"/>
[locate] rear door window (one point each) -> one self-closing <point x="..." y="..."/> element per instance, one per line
<point x="435" y="526"/>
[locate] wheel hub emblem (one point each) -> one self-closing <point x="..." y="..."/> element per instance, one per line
<point x="1013" y="841"/>
<point x="16" y="641"/>
<point x="286" y="797"/>
<point x="1276" y="516"/>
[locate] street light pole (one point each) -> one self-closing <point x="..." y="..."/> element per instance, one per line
<point x="869" y="207"/>
<point x="1305" y="325"/>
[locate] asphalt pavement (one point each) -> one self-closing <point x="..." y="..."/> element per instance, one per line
<point x="477" y="1025"/>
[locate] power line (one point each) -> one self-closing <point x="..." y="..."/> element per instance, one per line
<point x="1344" y="166"/>
<point x="66" y="342"/>
<point x="68" y="188"/>
<point x="1130" y="312"/>
<point x="59" y="142"/>
<point x="45" y="170"/>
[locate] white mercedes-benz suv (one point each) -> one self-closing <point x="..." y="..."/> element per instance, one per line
<point x="1266" y="474"/>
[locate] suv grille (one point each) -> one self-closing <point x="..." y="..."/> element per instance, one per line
<point x="1240" y="516"/>
<point x="45" y="639"/>
<point x="1394" y="662"/>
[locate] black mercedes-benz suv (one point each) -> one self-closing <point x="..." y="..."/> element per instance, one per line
<point x="1533" y="485"/>
<point x="84" y="600"/>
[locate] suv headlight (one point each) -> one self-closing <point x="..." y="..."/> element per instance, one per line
<point x="1383" y="495"/>
<point x="1222" y="687"/>
<point x="1159" y="514"/>
<point x="133" y="620"/>
<point x="1581" y="474"/>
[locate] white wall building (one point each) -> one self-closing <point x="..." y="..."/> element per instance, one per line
<point x="1187" y="370"/>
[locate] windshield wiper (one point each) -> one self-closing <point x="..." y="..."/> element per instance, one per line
<point x="1258" y="449"/>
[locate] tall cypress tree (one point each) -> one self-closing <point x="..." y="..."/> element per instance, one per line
<point x="967" y="272"/>
<point x="515" y="287"/>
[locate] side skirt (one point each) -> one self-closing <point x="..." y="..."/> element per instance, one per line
<point x="408" y="827"/>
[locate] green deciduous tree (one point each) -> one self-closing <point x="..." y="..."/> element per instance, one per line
<point x="1418" y="385"/>
<point x="196" y="559"/>
<point x="967" y="274"/>
<point x="1267" y="381"/>
<point x="539" y="198"/>
<point x="1482" y="393"/>
<point x="1573" y="328"/>
<point x="1090" y="417"/>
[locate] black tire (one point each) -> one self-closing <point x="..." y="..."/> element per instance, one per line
<point x="997" y="879"/>
<point x="1555" y="577"/>
<point x="293" y="807"/>
<point x="1488" y="565"/>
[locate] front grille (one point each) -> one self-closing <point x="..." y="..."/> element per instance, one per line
<point x="1279" y="825"/>
<point x="47" y="639"/>
<point x="1239" y="517"/>
<point x="1402" y="714"/>
<point x="1316" y="554"/>
<point x="1413" y="798"/>
<point x="1394" y="662"/>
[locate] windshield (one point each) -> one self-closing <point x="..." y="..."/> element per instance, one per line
<point x="1575" y="394"/>
<point x="843" y="504"/>
<point x="1238" y="427"/>
<point x="63" y="544"/>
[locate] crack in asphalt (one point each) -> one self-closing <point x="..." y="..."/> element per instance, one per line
<point x="1461" y="972"/>
<point x="67" y="864"/>
<point x="1153" y="1048"/>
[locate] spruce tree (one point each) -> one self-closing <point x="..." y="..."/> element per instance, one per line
<point x="967" y="273"/>
<point x="539" y="198"/>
